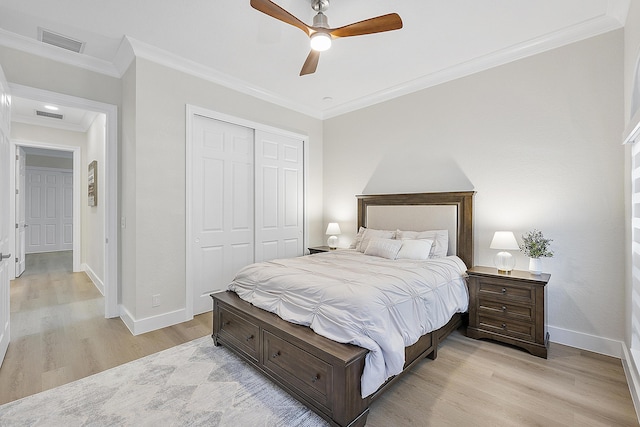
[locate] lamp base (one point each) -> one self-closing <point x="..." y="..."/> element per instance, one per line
<point x="332" y="242"/>
<point x="504" y="262"/>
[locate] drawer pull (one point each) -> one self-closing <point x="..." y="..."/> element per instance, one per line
<point x="226" y="322"/>
<point x="316" y="378"/>
<point x="504" y="290"/>
<point x="249" y="338"/>
<point x="276" y="354"/>
<point x="504" y="308"/>
<point x="504" y="326"/>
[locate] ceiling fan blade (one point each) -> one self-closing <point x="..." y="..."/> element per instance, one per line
<point x="311" y="63"/>
<point x="379" y="24"/>
<point x="275" y="11"/>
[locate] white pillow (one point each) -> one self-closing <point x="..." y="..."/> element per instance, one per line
<point x="370" y="233"/>
<point x="440" y="240"/>
<point x="357" y="239"/>
<point x="385" y="248"/>
<point x="415" y="249"/>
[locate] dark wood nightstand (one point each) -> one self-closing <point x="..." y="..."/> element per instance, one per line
<point x="318" y="249"/>
<point x="508" y="308"/>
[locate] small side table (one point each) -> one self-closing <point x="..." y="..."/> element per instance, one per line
<point x="318" y="249"/>
<point x="508" y="308"/>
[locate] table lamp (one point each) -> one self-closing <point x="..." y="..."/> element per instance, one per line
<point x="333" y="229"/>
<point x="504" y="261"/>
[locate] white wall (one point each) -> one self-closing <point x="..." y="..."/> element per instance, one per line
<point x="93" y="217"/>
<point x="154" y="179"/>
<point x="539" y="140"/>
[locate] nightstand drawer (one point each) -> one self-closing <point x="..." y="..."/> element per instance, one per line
<point x="506" y="309"/>
<point x="513" y="328"/>
<point x="501" y="291"/>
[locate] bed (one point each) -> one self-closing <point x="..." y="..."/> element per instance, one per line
<point x="322" y="373"/>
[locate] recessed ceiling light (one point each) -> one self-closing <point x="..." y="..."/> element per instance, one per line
<point x="51" y="107"/>
<point x="327" y="99"/>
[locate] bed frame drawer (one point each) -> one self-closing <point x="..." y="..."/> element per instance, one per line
<point x="240" y="332"/>
<point x="312" y="376"/>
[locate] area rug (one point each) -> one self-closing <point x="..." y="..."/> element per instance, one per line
<point x="194" y="384"/>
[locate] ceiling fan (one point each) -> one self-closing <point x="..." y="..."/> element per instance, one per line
<point x="320" y="33"/>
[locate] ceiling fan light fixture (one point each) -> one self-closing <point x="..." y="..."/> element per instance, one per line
<point x="320" y="41"/>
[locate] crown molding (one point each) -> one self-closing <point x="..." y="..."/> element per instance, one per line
<point x="35" y="47"/>
<point x="168" y="59"/>
<point x="553" y="40"/>
<point x="619" y="9"/>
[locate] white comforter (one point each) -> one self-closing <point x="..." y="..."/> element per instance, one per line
<point x="375" y="303"/>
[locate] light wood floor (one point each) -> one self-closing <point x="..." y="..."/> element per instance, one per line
<point x="483" y="383"/>
<point x="59" y="334"/>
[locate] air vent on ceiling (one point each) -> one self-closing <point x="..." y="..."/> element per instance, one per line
<point x="50" y="115"/>
<point x="55" y="39"/>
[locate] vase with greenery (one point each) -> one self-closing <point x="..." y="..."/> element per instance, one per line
<point x="535" y="246"/>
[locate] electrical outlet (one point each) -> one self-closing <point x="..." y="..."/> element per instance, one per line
<point x="155" y="300"/>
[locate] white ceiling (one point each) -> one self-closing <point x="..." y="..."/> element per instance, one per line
<point x="229" y="42"/>
<point x="73" y="119"/>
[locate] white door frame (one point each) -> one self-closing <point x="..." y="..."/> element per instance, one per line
<point x="77" y="218"/>
<point x="111" y="262"/>
<point x="192" y="110"/>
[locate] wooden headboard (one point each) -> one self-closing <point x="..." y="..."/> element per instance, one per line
<point x="460" y="209"/>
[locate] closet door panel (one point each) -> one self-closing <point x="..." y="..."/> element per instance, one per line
<point x="222" y="206"/>
<point x="49" y="210"/>
<point x="279" y="196"/>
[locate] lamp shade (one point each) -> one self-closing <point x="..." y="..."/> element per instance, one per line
<point x="504" y="240"/>
<point x="332" y="229"/>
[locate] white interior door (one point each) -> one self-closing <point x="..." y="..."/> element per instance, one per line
<point x="5" y="221"/>
<point x="20" y="211"/>
<point x="222" y="206"/>
<point x="279" y="165"/>
<point x="49" y="210"/>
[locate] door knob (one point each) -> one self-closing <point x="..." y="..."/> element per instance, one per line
<point x="4" y="256"/>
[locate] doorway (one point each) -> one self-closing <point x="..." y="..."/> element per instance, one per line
<point x="47" y="206"/>
<point x="108" y="198"/>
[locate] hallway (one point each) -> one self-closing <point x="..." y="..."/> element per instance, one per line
<point x="59" y="333"/>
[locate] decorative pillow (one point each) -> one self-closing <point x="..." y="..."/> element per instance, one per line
<point x="415" y="249"/>
<point x="440" y="240"/>
<point x="357" y="239"/>
<point x="385" y="248"/>
<point x="370" y="233"/>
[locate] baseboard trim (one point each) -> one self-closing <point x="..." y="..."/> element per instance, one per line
<point x="99" y="284"/>
<point x="152" y="323"/>
<point x="633" y="378"/>
<point x="584" y="341"/>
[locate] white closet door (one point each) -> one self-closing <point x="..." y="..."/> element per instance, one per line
<point x="66" y="212"/>
<point x="222" y="206"/>
<point x="21" y="232"/>
<point x="49" y="203"/>
<point x="279" y="196"/>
